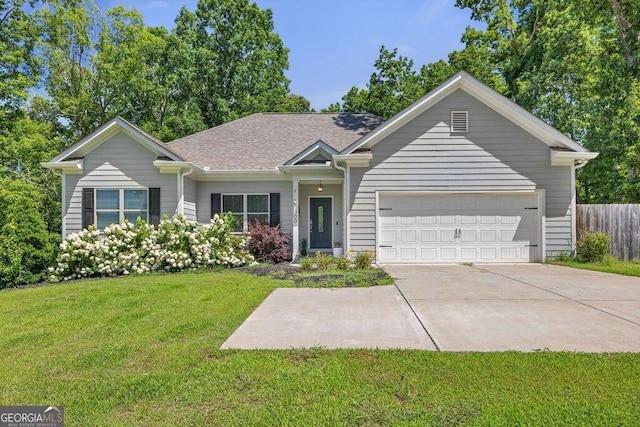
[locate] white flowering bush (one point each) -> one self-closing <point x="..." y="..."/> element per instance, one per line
<point x="126" y="248"/>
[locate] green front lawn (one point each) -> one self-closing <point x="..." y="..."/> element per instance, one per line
<point x="145" y="351"/>
<point x="609" y="265"/>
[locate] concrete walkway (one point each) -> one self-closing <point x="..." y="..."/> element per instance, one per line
<point x="456" y="308"/>
<point x="332" y="318"/>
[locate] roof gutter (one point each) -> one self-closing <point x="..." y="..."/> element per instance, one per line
<point x="571" y="158"/>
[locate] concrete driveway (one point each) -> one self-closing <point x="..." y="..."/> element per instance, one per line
<point x="456" y="308"/>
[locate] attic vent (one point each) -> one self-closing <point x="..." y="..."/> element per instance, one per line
<point x="459" y="121"/>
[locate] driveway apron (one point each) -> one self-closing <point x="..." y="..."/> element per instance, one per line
<point x="523" y="307"/>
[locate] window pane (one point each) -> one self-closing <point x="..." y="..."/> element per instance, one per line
<point x="135" y="199"/>
<point x="107" y="199"/>
<point x="257" y="203"/>
<point x="105" y="219"/>
<point x="133" y="216"/>
<point x="237" y="223"/>
<point x="320" y="219"/>
<point x="233" y="203"/>
<point x="263" y="218"/>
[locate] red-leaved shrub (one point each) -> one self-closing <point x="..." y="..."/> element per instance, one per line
<point x="268" y="243"/>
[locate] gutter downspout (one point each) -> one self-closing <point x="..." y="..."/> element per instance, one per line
<point x="345" y="203"/>
<point x="574" y="203"/>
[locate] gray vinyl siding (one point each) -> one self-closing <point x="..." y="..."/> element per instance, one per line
<point x="495" y="155"/>
<point x="190" y="195"/>
<point x="119" y="162"/>
<point x="307" y="191"/>
<point x="285" y="188"/>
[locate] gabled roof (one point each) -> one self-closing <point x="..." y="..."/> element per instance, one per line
<point x="502" y="105"/>
<point x="104" y="132"/>
<point x="318" y="149"/>
<point x="268" y="140"/>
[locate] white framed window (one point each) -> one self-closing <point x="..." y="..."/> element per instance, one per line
<point x="246" y="209"/>
<point x="460" y="121"/>
<point x="113" y="205"/>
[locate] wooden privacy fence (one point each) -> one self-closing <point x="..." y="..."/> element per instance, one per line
<point x="620" y="222"/>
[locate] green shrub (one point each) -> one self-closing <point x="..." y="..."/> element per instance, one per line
<point x="343" y="263"/>
<point x="592" y="247"/>
<point x="306" y="264"/>
<point x="364" y="259"/>
<point x="25" y="246"/>
<point x="324" y="261"/>
<point x="562" y="257"/>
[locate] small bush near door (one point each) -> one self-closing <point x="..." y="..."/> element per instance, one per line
<point x="268" y="243"/>
<point x="364" y="259"/>
<point x="593" y="247"/>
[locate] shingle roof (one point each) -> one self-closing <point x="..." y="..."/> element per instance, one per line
<point x="268" y="140"/>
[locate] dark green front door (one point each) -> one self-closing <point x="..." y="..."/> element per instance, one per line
<point x="320" y="223"/>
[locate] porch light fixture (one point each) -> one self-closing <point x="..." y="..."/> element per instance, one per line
<point x="320" y="189"/>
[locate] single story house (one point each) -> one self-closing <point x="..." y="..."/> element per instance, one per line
<point x="461" y="175"/>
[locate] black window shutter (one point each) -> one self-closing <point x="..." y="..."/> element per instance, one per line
<point x="216" y="203"/>
<point x="274" y="209"/>
<point x="154" y="206"/>
<point x="87" y="207"/>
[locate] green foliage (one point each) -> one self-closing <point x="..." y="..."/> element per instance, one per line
<point x="574" y="65"/>
<point x="592" y="247"/>
<point x="363" y="259"/>
<point x="343" y="263"/>
<point x="236" y="58"/>
<point x="306" y="264"/>
<point x="19" y="65"/>
<point x="324" y="261"/>
<point x="25" y="248"/>
<point x="562" y="257"/>
<point x="608" y="265"/>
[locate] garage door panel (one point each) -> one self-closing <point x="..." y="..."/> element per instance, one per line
<point x="408" y="236"/>
<point x="448" y="254"/>
<point x="459" y="228"/>
<point x="487" y="254"/>
<point x="469" y="236"/>
<point x="447" y="219"/>
<point x="488" y="236"/>
<point x="428" y="236"/>
<point x="469" y="254"/>
<point x="428" y="220"/>
<point x="408" y="254"/>
<point x="388" y="236"/>
<point x="429" y="254"/>
<point x="468" y="219"/>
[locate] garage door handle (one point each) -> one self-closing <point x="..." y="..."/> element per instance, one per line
<point x="386" y="246"/>
<point x="531" y="209"/>
<point x="385" y="209"/>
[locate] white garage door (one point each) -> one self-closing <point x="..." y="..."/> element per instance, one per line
<point x="458" y="228"/>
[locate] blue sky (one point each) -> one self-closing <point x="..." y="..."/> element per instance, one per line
<point x="333" y="44"/>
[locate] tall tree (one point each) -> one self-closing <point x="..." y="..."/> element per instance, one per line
<point x="237" y="58"/>
<point x="19" y="66"/>
<point x="573" y="64"/>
